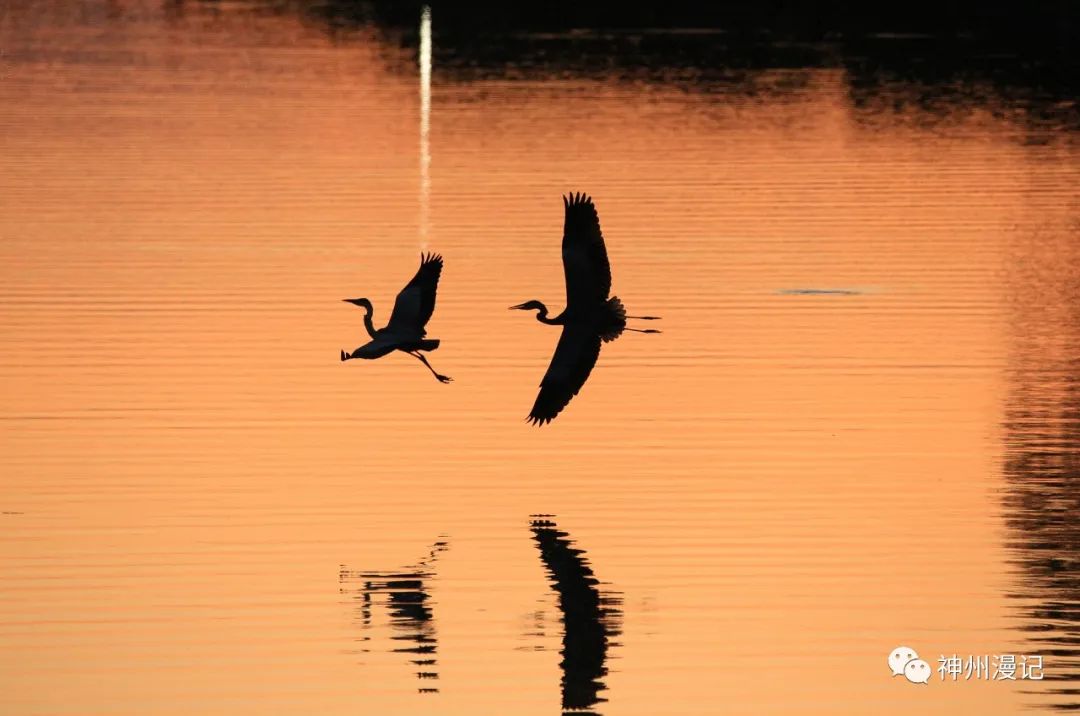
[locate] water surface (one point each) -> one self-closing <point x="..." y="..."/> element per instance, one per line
<point x="858" y="429"/>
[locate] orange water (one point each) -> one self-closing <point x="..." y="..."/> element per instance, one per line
<point x="775" y="492"/>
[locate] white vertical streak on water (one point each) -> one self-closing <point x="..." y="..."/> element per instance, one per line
<point x="425" y="123"/>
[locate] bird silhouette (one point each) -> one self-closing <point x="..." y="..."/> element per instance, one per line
<point x="590" y="317"/>
<point x="412" y="310"/>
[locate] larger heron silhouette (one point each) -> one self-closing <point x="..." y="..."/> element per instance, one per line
<point x="590" y="317"/>
<point x="412" y="310"/>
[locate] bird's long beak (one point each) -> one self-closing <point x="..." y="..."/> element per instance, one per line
<point x="520" y="306"/>
<point x="354" y="301"/>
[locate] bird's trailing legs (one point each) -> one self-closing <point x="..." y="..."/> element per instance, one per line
<point x="644" y="318"/>
<point x="440" y="378"/>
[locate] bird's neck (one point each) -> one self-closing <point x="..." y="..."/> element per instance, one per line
<point x="542" y="316"/>
<point x="368" y="323"/>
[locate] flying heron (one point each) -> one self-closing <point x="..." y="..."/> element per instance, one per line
<point x="412" y="310"/>
<point x="590" y="317"/>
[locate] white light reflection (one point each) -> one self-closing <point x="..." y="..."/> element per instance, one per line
<point x="425" y="123"/>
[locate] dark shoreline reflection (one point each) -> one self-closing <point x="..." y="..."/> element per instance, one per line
<point x="923" y="59"/>
<point x="406" y="595"/>
<point x="1042" y="494"/>
<point x="590" y="617"/>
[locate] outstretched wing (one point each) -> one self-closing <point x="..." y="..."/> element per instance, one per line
<point x="585" y="261"/>
<point x="574" y="358"/>
<point x="416" y="302"/>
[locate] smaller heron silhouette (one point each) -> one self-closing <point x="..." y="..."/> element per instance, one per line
<point x="412" y="310"/>
<point x="590" y="317"/>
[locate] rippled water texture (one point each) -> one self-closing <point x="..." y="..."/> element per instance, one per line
<point x="858" y="430"/>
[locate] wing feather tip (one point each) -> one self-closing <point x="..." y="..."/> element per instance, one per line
<point x="430" y="258"/>
<point x="577" y="198"/>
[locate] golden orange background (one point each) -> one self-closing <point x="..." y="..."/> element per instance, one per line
<point x="782" y="487"/>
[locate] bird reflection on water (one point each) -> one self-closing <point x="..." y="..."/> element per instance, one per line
<point x="590" y="617"/>
<point x="407" y="596"/>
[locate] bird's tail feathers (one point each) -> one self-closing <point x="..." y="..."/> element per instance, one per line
<point x="429" y="344"/>
<point x="617" y="308"/>
<point x="618" y="320"/>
